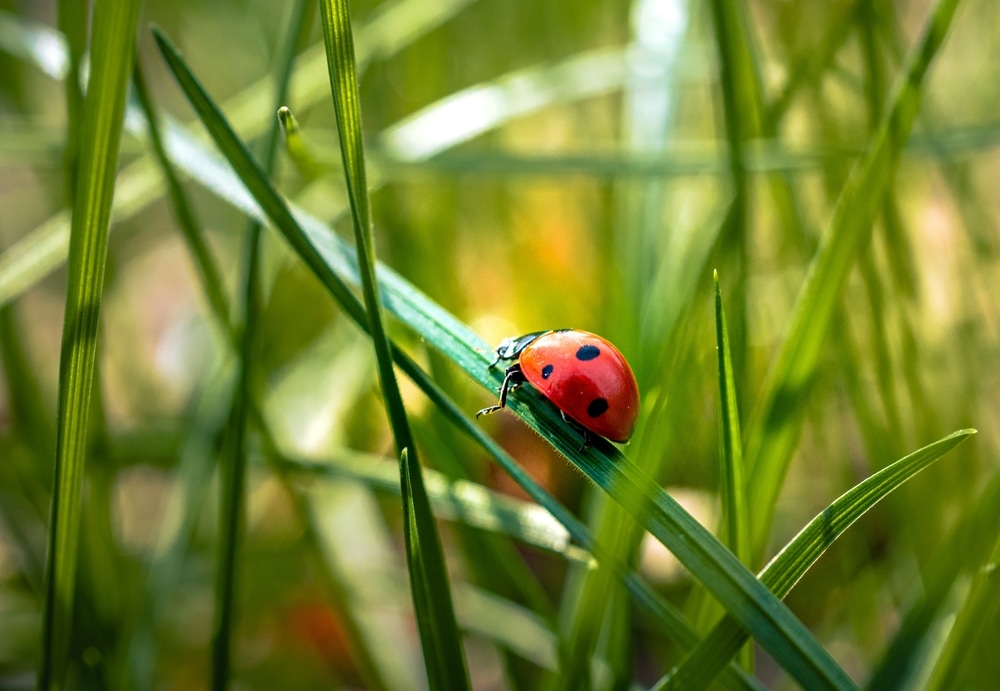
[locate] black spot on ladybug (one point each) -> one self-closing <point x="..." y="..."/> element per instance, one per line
<point x="588" y="352"/>
<point x="547" y="371"/>
<point x="597" y="407"/>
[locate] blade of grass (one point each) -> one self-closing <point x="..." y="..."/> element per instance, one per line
<point x="735" y="510"/>
<point x="114" y="27"/>
<point x="778" y="630"/>
<point x="791" y="563"/>
<point x="775" y="428"/>
<point x="444" y="657"/>
<point x="458" y="500"/>
<point x="427" y="574"/>
<point x="232" y="486"/>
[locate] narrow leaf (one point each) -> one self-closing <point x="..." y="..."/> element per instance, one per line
<point x="444" y="657"/>
<point x="791" y="563"/>
<point x="735" y="511"/>
<point x="113" y="46"/>
<point x="439" y="636"/>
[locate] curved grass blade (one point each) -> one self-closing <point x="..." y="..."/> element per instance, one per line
<point x="775" y="428"/>
<point x="791" y="563"/>
<point x="779" y="631"/>
<point x="444" y="658"/>
<point x="113" y="47"/>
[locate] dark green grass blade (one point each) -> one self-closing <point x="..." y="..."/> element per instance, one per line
<point x="429" y="584"/>
<point x="346" y="101"/>
<point x="444" y="658"/>
<point x="794" y="560"/>
<point x="735" y="511"/>
<point x="775" y="429"/>
<point x="114" y="29"/>
<point x="778" y="630"/>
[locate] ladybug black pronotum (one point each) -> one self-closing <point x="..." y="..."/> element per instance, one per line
<point x="581" y="373"/>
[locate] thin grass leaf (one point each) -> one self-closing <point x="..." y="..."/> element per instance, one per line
<point x="459" y="500"/>
<point x="778" y="630"/>
<point x="775" y="428"/>
<point x="735" y="508"/>
<point x="339" y="40"/>
<point x="444" y="657"/>
<point x="791" y="563"/>
<point x="466" y="114"/>
<point x="114" y="26"/>
<point x="429" y="584"/>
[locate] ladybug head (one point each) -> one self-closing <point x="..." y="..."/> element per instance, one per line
<point x="510" y="348"/>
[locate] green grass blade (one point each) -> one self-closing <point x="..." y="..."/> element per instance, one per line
<point x="777" y="629"/>
<point x="791" y="563"/>
<point x="444" y="658"/>
<point x="114" y="26"/>
<point x="775" y="429"/>
<point x="339" y="40"/>
<point x="439" y="636"/>
<point x="735" y="508"/>
<point x="458" y="500"/>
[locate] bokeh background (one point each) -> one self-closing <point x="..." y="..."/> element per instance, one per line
<point x="534" y="165"/>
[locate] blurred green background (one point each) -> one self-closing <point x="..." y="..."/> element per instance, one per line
<point x="533" y="165"/>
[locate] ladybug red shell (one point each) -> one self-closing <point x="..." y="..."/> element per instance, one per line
<point x="581" y="373"/>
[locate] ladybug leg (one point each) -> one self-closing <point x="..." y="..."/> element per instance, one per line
<point x="512" y="379"/>
<point x="587" y="437"/>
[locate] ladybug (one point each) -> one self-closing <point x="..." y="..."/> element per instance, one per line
<point x="587" y="379"/>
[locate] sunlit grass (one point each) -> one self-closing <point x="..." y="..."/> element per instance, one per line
<point x="246" y="519"/>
